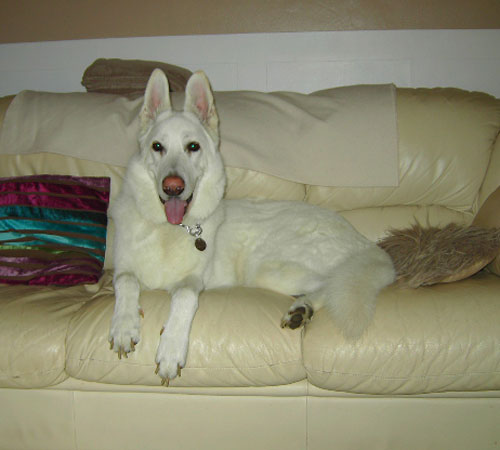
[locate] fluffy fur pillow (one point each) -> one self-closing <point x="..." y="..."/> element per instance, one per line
<point x="129" y="77"/>
<point x="425" y="256"/>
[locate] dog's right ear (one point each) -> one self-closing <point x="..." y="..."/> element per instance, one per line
<point x="156" y="98"/>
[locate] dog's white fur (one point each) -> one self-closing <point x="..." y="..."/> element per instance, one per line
<point x="290" y="247"/>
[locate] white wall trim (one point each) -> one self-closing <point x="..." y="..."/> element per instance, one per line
<point x="303" y="62"/>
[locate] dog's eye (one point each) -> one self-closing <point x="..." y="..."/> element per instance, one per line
<point x="156" y="146"/>
<point x="193" y="147"/>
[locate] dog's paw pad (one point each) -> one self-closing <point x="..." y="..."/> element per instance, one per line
<point x="297" y="316"/>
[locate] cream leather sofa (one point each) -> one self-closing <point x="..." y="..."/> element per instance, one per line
<point x="426" y="375"/>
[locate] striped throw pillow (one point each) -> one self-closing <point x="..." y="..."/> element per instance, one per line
<point x="52" y="229"/>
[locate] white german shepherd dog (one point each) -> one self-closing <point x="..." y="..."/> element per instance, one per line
<point x="175" y="232"/>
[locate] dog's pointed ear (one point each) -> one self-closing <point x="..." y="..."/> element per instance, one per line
<point x="200" y="101"/>
<point x="156" y="97"/>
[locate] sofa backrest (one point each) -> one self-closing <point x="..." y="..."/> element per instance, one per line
<point x="449" y="162"/>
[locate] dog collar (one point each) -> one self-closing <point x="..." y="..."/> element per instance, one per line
<point x="196" y="231"/>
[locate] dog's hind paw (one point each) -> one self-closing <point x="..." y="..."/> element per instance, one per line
<point x="297" y="316"/>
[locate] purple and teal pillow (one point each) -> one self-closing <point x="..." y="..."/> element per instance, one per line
<point x="53" y="229"/>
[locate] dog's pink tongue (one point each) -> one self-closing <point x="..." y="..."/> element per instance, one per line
<point x="174" y="209"/>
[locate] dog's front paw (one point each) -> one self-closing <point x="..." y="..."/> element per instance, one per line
<point x="171" y="356"/>
<point x="125" y="332"/>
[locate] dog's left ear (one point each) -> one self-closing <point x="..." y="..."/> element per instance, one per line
<point x="200" y="101"/>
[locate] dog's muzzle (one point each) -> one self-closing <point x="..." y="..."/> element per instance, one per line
<point x="175" y="207"/>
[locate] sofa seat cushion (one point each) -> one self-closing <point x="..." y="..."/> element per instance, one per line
<point x="236" y="340"/>
<point x="428" y="340"/>
<point x="33" y="324"/>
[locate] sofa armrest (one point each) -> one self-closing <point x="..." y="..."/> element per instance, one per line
<point x="489" y="216"/>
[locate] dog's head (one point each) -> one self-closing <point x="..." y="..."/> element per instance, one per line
<point x="181" y="149"/>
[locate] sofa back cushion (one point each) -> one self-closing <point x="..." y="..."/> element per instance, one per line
<point x="446" y="138"/>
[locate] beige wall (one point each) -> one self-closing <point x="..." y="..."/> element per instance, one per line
<point x="45" y="20"/>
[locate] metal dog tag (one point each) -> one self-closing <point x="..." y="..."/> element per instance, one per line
<point x="196" y="231"/>
<point x="200" y="244"/>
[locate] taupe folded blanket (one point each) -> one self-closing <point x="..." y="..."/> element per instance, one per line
<point x="338" y="137"/>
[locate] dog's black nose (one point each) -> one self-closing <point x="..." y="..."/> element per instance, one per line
<point x="173" y="185"/>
